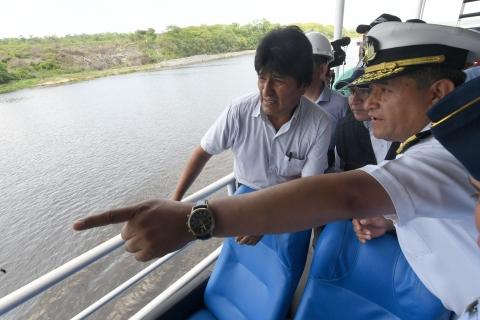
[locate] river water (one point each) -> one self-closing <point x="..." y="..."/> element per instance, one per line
<point x="74" y="149"/>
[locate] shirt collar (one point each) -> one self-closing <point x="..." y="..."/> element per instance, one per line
<point x="424" y="134"/>
<point x="427" y="127"/>
<point x="287" y="125"/>
<point x="325" y="95"/>
<point x="297" y="109"/>
<point x="257" y="111"/>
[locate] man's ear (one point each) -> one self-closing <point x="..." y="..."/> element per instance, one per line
<point x="323" y="69"/>
<point x="440" y="89"/>
<point x="302" y="88"/>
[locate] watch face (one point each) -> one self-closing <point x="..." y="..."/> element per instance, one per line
<point x="200" y="222"/>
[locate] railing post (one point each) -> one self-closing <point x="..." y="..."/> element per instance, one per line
<point x="231" y="188"/>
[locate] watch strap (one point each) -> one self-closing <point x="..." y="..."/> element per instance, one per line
<point x="201" y="204"/>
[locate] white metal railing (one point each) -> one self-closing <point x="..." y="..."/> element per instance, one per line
<point x="46" y="281"/>
<point x="55" y="276"/>
<point x="177" y="285"/>
<point x="124" y="286"/>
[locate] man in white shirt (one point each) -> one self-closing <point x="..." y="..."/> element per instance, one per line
<point x="319" y="91"/>
<point x="426" y="191"/>
<point x="276" y="134"/>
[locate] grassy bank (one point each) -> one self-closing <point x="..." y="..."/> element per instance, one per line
<point x="30" y="62"/>
<point x="92" y="74"/>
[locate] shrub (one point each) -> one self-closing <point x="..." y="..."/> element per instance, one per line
<point x="5" y="76"/>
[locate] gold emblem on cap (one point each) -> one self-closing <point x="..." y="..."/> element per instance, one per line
<point x="387" y="69"/>
<point x="370" y="53"/>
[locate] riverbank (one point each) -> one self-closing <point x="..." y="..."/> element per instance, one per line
<point x="74" y="149"/>
<point x="89" y="75"/>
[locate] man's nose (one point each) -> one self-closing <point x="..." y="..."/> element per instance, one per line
<point x="371" y="101"/>
<point x="266" y="87"/>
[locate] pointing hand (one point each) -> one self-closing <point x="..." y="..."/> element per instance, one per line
<point x="152" y="229"/>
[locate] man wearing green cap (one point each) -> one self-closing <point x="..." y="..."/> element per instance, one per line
<point x="425" y="190"/>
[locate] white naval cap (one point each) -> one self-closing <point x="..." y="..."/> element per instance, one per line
<point x="393" y="48"/>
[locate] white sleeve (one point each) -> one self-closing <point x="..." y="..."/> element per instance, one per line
<point x="317" y="158"/>
<point x="221" y="134"/>
<point x="425" y="183"/>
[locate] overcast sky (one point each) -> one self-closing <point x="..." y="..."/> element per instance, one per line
<point x="61" y="17"/>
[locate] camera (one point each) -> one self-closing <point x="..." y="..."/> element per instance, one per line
<point x="339" y="54"/>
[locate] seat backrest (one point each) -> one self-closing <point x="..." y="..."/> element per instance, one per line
<point x="350" y="280"/>
<point x="257" y="282"/>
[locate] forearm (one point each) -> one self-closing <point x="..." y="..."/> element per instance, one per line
<point x="301" y="204"/>
<point x="157" y="227"/>
<point x="193" y="168"/>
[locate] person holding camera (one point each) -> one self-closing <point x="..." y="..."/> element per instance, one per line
<point x="319" y="91"/>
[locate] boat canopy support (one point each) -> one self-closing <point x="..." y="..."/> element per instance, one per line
<point x="464" y="15"/>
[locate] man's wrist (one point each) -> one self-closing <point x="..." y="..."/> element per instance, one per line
<point x="201" y="221"/>
<point x="176" y="196"/>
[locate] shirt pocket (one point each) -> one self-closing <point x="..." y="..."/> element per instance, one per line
<point x="290" y="167"/>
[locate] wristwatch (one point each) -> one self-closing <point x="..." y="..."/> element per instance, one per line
<point x="200" y="221"/>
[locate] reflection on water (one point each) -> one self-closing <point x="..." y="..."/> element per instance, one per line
<point x="75" y="149"/>
<point x="4" y="99"/>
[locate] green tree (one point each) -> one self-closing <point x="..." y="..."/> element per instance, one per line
<point x="4" y="75"/>
<point x="38" y="58"/>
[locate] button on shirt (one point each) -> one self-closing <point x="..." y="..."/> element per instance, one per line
<point x="263" y="156"/>
<point x="434" y="203"/>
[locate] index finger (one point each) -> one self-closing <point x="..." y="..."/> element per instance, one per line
<point x="106" y="218"/>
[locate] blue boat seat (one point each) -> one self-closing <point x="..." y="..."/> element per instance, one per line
<point x="255" y="282"/>
<point x="202" y="314"/>
<point x="350" y="280"/>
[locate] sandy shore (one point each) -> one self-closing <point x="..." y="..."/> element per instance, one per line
<point x="198" y="59"/>
<point x="89" y="75"/>
<point x="149" y="67"/>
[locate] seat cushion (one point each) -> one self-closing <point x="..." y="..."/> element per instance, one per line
<point x="350" y="280"/>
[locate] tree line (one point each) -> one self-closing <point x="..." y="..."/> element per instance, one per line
<point x="41" y="58"/>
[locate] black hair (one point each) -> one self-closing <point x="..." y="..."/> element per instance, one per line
<point x="319" y="59"/>
<point x="425" y="76"/>
<point x="288" y="52"/>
